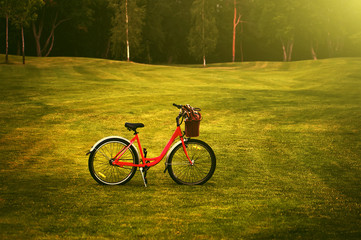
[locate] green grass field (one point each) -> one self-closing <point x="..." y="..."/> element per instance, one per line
<point x="287" y="137"/>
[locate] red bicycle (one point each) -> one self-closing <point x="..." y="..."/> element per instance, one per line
<point x="114" y="160"/>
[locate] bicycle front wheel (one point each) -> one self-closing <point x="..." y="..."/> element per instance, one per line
<point x="196" y="172"/>
<point x="100" y="162"/>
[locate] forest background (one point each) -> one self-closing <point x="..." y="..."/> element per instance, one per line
<point x="174" y="32"/>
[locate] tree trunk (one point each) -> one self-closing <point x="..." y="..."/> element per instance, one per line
<point x="290" y="49"/>
<point x="23" y="43"/>
<point x="106" y="52"/>
<point x="127" y="29"/>
<point x="284" y="52"/>
<point x="37" y="35"/>
<point x="148" y="53"/>
<point x="314" y="56"/>
<point x="313" y="52"/>
<point x="335" y="45"/>
<point x="18" y="50"/>
<point x="7" y="39"/>
<point x="51" y="45"/>
<point x="203" y="36"/>
<point x="234" y="32"/>
<point x="242" y="59"/>
<point x="51" y="36"/>
<point x="242" y="51"/>
<point x="287" y="50"/>
<point x="46" y="49"/>
<point x="235" y="23"/>
<point x="329" y="45"/>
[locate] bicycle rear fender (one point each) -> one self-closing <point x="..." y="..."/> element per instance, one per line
<point x="116" y="137"/>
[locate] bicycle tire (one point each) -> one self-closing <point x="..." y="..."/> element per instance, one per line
<point x="103" y="171"/>
<point x="203" y="159"/>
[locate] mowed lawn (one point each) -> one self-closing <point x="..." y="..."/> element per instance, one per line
<point x="287" y="137"/>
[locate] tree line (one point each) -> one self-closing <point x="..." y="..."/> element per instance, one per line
<point x="182" y="31"/>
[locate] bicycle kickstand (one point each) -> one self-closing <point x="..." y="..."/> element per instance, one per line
<point x="143" y="171"/>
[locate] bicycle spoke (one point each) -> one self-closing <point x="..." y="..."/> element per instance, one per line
<point x="105" y="156"/>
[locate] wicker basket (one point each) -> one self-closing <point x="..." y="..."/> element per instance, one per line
<point x="192" y="128"/>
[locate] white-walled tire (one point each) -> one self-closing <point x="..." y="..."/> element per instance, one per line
<point x="100" y="158"/>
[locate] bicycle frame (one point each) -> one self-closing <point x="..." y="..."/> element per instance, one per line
<point x="149" y="162"/>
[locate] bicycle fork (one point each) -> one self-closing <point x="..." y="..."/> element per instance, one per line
<point x="184" y="146"/>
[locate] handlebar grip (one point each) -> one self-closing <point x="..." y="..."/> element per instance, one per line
<point x="177" y="106"/>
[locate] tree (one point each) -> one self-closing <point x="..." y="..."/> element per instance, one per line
<point x="55" y="10"/>
<point x="127" y="26"/>
<point x="313" y="15"/>
<point x="52" y="15"/>
<point x="354" y="30"/>
<point x="203" y="33"/>
<point x="91" y="39"/>
<point x="335" y="16"/>
<point x="237" y="19"/>
<point x="176" y="25"/>
<point x="154" y="36"/>
<point x="5" y="10"/>
<point x="324" y="22"/>
<point x="23" y="13"/>
<point x="279" y="20"/>
<point x="285" y="23"/>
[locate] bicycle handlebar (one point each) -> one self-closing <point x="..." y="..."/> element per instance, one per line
<point x="177" y="106"/>
<point x="180" y="106"/>
<point x="180" y="114"/>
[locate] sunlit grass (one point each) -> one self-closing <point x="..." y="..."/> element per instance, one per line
<point x="286" y="136"/>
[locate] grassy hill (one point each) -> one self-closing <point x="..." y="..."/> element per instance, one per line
<point x="287" y="137"/>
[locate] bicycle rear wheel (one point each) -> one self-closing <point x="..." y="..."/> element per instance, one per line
<point x="199" y="171"/>
<point x="101" y="168"/>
